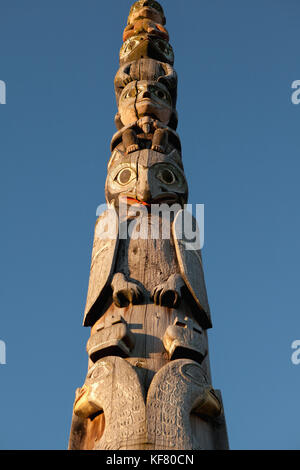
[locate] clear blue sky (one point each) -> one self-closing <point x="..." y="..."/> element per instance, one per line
<point x="236" y="61"/>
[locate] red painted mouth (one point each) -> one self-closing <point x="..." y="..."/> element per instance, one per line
<point x="132" y="200"/>
<point x="165" y="198"/>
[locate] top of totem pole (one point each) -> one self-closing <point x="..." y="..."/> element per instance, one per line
<point x="146" y="9"/>
<point x="145" y="35"/>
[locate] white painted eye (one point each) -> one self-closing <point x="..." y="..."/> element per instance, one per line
<point x="130" y="93"/>
<point x="125" y="176"/>
<point x="166" y="176"/>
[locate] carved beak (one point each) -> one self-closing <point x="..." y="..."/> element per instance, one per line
<point x="143" y="192"/>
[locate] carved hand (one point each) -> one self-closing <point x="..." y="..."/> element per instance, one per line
<point x="169" y="293"/>
<point x="125" y="292"/>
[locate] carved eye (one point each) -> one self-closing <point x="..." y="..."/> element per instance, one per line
<point x="125" y="176"/>
<point x="166" y="176"/>
<point x="130" y="93"/>
<point x="161" y="94"/>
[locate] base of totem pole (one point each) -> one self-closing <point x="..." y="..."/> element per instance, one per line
<point x="147" y="401"/>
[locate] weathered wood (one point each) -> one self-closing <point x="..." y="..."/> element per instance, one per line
<point x="146" y="98"/>
<point x="148" y="384"/>
<point x="159" y="418"/>
<point x="146" y="133"/>
<point x="147" y="26"/>
<point x="153" y="263"/>
<point x="190" y="263"/>
<point x="143" y="45"/>
<point x="150" y="9"/>
<point x="146" y="69"/>
<point x="113" y="338"/>
<point x="185" y="339"/>
<point x="103" y="259"/>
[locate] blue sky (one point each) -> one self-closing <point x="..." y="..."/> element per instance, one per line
<point x="236" y="61"/>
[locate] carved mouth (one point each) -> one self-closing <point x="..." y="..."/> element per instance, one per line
<point x="132" y="201"/>
<point x="147" y="105"/>
<point x="145" y="100"/>
<point x="166" y="198"/>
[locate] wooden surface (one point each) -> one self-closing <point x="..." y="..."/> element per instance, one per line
<point x="148" y="385"/>
<point x="143" y="372"/>
<point x="165" y="424"/>
<point x="146" y="69"/>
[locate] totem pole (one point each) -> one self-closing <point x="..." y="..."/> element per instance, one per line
<point x="148" y="384"/>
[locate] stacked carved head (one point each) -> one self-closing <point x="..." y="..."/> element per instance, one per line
<point x="145" y="35"/>
<point x="149" y="9"/>
<point x="146" y="84"/>
<point x="146" y="94"/>
<point x="145" y="177"/>
<point x="146" y="98"/>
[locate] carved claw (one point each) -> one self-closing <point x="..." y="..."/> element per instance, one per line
<point x="169" y="293"/>
<point x="82" y="406"/>
<point x="132" y="148"/>
<point x="158" y="148"/>
<point x="208" y="404"/>
<point x="125" y="292"/>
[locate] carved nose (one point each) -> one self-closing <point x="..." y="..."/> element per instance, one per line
<point x="146" y="94"/>
<point x="143" y="192"/>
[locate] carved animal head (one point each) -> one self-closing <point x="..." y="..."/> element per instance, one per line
<point x="146" y="177"/>
<point x="143" y="46"/>
<point x="146" y="69"/>
<point x="145" y="98"/>
<point x="147" y="9"/>
<point x="147" y="26"/>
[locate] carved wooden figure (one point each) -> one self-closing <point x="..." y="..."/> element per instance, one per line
<point x="145" y="45"/>
<point x="146" y="98"/>
<point x="148" y="384"/>
<point x="145" y="26"/>
<point x="149" y="106"/>
<point x="149" y="70"/>
<point x="146" y="9"/>
<point x="145" y="133"/>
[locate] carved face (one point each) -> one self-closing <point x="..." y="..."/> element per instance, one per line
<point x="146" y="9"/>
<point x="146" y="69"/>
<point x="144" y="46"/>
<point x="145" y="26"/>
<point x="155" y="182"/>
<point x="145" y="98"/>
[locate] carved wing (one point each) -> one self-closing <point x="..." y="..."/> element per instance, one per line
<point x="190" y="262"/>
<point x="112" y="385"/>
<point x="106" y="241"/>
<point x="177" y="389"/>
